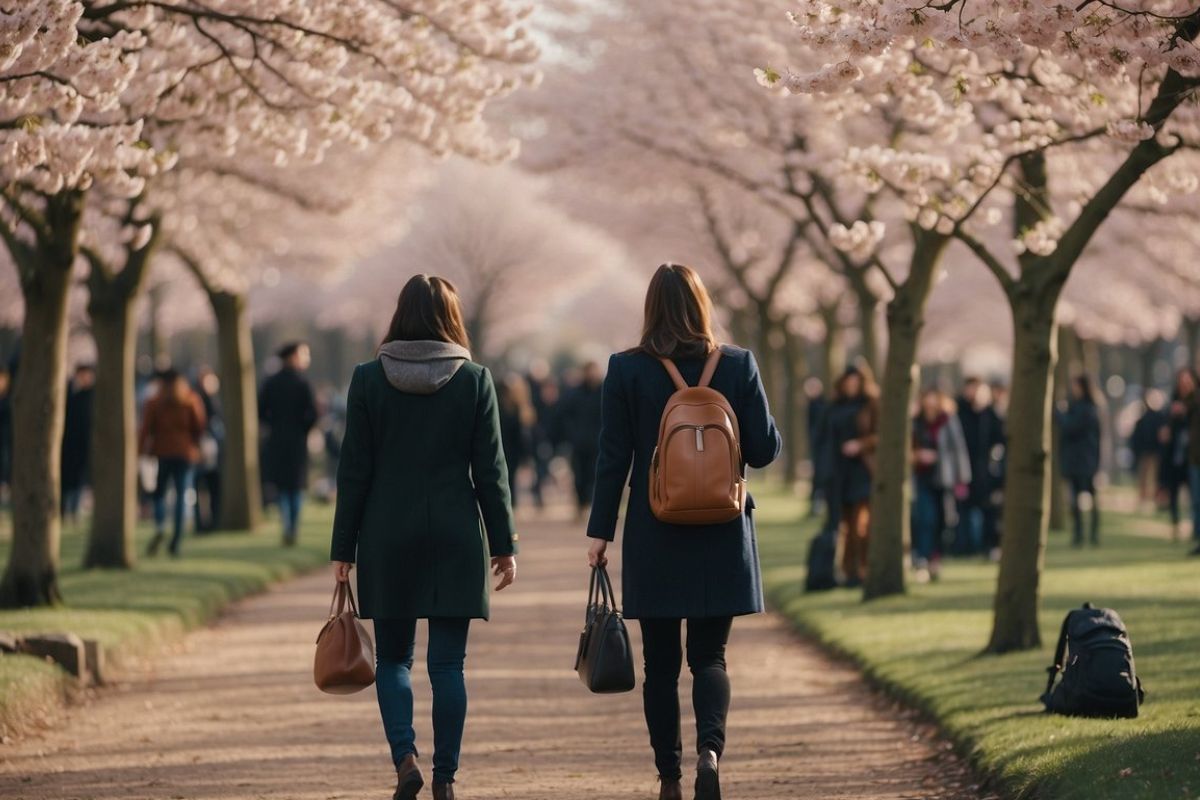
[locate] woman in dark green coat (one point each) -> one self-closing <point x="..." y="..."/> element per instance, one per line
<point x="422" y="505"/>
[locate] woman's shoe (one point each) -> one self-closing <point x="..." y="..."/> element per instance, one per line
<point x="670" y="790"/>
<point x="443" y="791"/>
<point x="708" y="782"/>
<point x="408" y="779"/>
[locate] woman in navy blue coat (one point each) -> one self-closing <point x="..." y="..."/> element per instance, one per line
<point x="706" y="575"/>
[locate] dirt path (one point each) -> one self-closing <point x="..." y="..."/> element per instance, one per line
<point x="233" y="714"/>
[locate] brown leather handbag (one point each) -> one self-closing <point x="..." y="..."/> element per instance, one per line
<point x="696" y="473"/>
<point x="345" y="660"/>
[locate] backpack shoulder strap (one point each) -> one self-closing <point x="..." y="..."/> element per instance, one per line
<point x="673" y="371"/>
<point x="1060" y="651"/>
<point x="710" y="367"/>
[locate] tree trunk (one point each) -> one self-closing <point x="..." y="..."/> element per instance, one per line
<point x="868" y="324"/>
<point x="241" y="490"/>
<point x="890" y="521"/>
<point x="112" y="307"/>
<point x="1191" y="340"/>
<point x="1062" y="377"/>
<point x="1015" y="625"/>
<point x="833" y="347"/>
<point x="794" y="430"/>
<point x="39" y="404"/>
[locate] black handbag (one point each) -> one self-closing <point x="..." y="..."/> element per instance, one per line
<point x="605" y="659"/>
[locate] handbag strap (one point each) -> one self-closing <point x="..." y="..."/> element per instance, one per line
<point x="342" y="593"/>
<point x="606" y="588"/>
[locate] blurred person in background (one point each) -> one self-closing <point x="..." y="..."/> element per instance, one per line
<point x="172" y="423"/>
<point x="287" y="409"/>
<point x="1146" y="448"/>
<point x="941" y="478"/>
<point x="208" y="469"/>
<point x="545" y="396"/>
<point x="580" y="423"/>
<point x="978" y="529"/>
<point x="852" y="432"/>
<point x="1185" y="413"/>
<point x="814" y="393"/>
<point x="1173" y="438"/>
<point x="5" y="433"/>
<point x="517" y="420"/>
<point x="1079" y="455"/>
<point x="77" y="440"/>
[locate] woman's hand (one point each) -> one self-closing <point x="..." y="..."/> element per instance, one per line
<point x="341" y="571"/>
<point x="504" y="568"/>
<point x="852" y="448"/>
<point x="597" y="553"/>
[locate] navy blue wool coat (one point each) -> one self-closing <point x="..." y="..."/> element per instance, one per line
<point x="678" y="571"/>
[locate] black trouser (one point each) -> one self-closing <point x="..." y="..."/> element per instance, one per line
<point x="706" y="640"/>
<point x="583" y="465"/>
<point x="1081" y="485"/>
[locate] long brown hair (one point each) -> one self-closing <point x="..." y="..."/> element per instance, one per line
<point x="678" y="317"/>
<point x="428" y="310"/>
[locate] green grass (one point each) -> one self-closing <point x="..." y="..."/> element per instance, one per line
<point x="132" y="613"/>
<point x="925" y="648"/>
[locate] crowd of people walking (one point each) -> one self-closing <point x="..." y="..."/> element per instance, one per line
<point x="957" y="468"/>
<point x="1165" y="446"/>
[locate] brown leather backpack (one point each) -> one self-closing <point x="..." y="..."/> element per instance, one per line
<point x="696" y="472"/>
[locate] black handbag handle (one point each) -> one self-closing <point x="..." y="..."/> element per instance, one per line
<point x="600" y="591"/>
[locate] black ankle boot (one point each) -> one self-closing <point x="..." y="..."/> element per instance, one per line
<point x="708" y="782"/>
<point x="443" y="791"/>
<point x="155" y="543"/>
<point x="408" y="779"/>
<point x="670" y="789"/>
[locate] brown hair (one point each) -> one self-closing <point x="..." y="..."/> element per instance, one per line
<point x="678" y="317"/>
<point x="869" y="390"/>
<point x="428" y="310"/>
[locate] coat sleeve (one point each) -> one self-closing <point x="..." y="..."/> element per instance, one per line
<point x="310" y="407"/>
<point x="959" y="457"/>
<point x="615" y="457"/>
<point x="355" y="467"/>
<point x="761" y="441"/>
<point x="198" y="419"/>
<point x="489" y="472"/>
<point x="144" y="435"/>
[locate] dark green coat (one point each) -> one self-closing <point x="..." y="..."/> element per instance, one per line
<point x="420" y="480"/>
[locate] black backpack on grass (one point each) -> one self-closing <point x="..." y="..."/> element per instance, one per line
<point x="1095" y="658"/>
<point x="821" y="553"/>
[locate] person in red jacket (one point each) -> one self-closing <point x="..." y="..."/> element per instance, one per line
<point x="172" y="424"/>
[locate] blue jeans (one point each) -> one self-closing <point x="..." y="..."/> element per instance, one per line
<point x="926" y="520"/>
<point x="177" y="473"/>
<point x="395" y="641"/>
<point x="289" y="511"/>
<point x="1194" y="497"/>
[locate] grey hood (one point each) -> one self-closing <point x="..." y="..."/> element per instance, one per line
<point x="421" y="367"/>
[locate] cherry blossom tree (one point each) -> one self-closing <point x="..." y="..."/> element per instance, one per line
<point x="57" y="96"/>
<point x="109" y="94"/>
<point x="512" y="253"/>
<point x="1055" y="110"/>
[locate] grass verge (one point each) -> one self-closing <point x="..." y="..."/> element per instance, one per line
<point x="134" y="613"/>
<point x="924" y="648"/>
